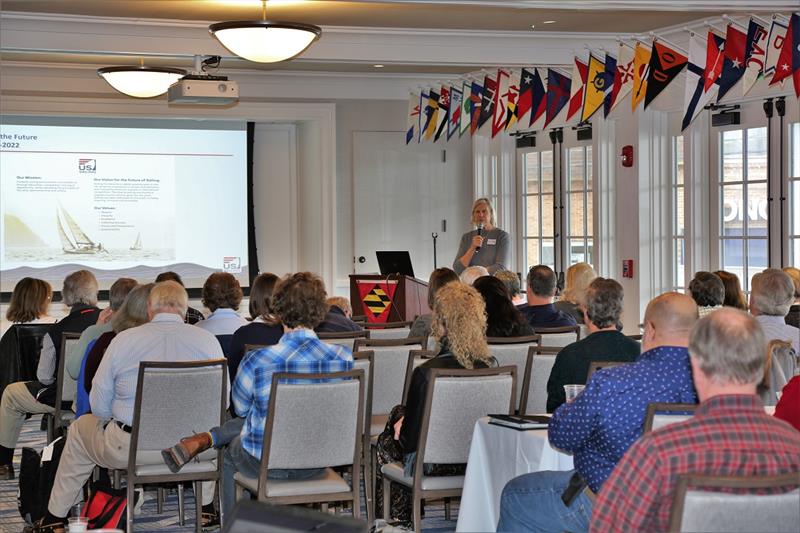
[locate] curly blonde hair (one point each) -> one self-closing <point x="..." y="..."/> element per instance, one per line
<point x="579" y="276"/>
<point x="460" y="315"/>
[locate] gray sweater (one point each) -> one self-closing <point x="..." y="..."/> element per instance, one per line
<point x="494" y="254"/>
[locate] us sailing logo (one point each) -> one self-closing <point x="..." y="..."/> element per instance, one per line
<point x="87" y="166"/>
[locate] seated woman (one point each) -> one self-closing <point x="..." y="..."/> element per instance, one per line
<point x="222" y="294"/>
<point x="29" y="303"/>
<point x="264" y="329"/>
<point x="579" y="276"/>
<point x="734" y="295"/>
<point x="421" y="327"/>
<point x="459" y="324"/>
<point x="502" y="318"/>
<point x="132" y="313"/>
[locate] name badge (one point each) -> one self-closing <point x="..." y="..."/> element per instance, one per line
<point x="491" y="242"/>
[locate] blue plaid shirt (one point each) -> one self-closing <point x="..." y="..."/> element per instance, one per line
<point x="600" y="425"/>
<point x="299" y="352"/>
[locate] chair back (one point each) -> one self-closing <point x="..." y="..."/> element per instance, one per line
<point x="29" y="348"/>
<point x="659" y="415"/>
<point x="66" y="387"/>
<point x="700" y="505"/>
<point x="594" y="366"/>
<point x="175" y="399"/>
<point x="637" y="337"/>
<point x="316" y="423"/>
<point x="561" y="336"/>
<point x="343" y="338"/>
<point x="225" y="343"/>
<point x="514" y="351"/>
<point x="389" y="330"/>
<point x="454" y="402"/>
<point x="363" y="361"/>
<point x="415" y="359"/>
<point x="537" y="373"/>
<point x="390" y="358"/>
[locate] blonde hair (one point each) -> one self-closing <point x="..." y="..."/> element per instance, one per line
<point x="133" y="311"/>
<point x="341" y="302"/>
<point x="579" y="276"/>
<point x="459" y="314"/>
<point x="488" y="204"/>
<point x="168" y="296"/>
<point x="794" y="273"/>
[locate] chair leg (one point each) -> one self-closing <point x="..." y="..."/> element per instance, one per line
<point x="181" y="509"/>
<point x="417" y="503"/>
<point x="368" y="488"/>
<point x="323" y="507"/>
<point x="198" y="507"/>
<point x="159" y="500"/>
<point x="447" y="508"/>
<point x="116" y="479"/>
<point x="387" y="487"/>
<point x="129" y="510"/>
<point x="356" y="494"/>
<point x="373" y="480"/>
<point x="219" y="501"/>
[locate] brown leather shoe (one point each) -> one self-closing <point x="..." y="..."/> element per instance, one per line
<point x="6" y="472"/>
<point x="186" y="450"/>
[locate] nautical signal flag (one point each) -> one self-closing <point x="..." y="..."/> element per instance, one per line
<point x="665" y="65"/>
<point x="595" y="91"/>
<point x="444" y="113"/>
<point x="734" y="64"/>
<point x="476" y="100"/>
<point x="789" y="60"/>
<point x="611" y="70"/>
<point x="715" y="56"/>
<point x="431" y="115"/>
<point x="487" y="100"/>
<point x="558" y="91"/>
<point x="755" y="51"/>
<point x="623" y="77"/>
<point x="695" y="95"/>
<point x="777" y="34"/>
<point x="580" y="71"/>
<point x="454" y="119"/>
<point x="539" y="97"/>
<point x="641" y="70"/>
<point x="525" y="99"/>
<point x="376" y="299"/>
<point x="466" y="108"/>
<point x="505" y="103"/>
<point x="413" y="116"/>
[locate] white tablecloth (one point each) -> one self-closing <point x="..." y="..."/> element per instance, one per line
<point x="496" y="456"/>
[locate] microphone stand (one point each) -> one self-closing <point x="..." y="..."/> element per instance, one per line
<point x="434" y="236"/>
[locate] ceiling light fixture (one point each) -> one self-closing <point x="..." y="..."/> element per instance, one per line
<point x="264" y="41"/>
<point x="141" y="81"/>
<point x="549" y="22"/>
<point x="378" y="66"/>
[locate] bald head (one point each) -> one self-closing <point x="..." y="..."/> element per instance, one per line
<point x="668" y="320"/>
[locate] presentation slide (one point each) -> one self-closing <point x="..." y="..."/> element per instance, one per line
<point x="122" y="202"/>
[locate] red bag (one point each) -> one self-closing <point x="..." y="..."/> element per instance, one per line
<point x="106" y="506"/>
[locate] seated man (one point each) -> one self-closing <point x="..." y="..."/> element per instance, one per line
<point x="771" y="296"/>
<point x="337" y="319"/>
<point x="603" y="309"/>
<point x="540" y="311"/>
<point x="729" y="434"/>
<point x="193" y="316"/>
<point x="299" y="303"/>
<point x="102" y="437"/>
<point x="23" y="398"/>
<point x="603" y="421"/>
<point x="708" y="292"/>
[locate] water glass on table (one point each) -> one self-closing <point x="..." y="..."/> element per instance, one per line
<point x="572" y="391"/>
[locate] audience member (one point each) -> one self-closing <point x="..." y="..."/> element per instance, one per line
<point x="603" y="421"/>
<point x="132" y="313"/>
<point x="77" y="354"/>
<point x="708" y="292"/>
<point x="511" y="281"/>
<point x="793" y="317"/>
<point x="337" y="319"/>
<point x="579" y="276"/>
<point x="222" y="296"/>
<point x="459" y="325"/>
<point x="788" y="407"/>
<point x="779" y="367"/>
<point x="30" y="301"/>
<point x="771" y="295"/>
<point x="603" y="309"/>
<point x="729" y="434"/>
<point x="264" y="329"/>
<point x="299" y="303"/>
<point x="193" y="316"/>
<point x="421" y="327"/>
<point x="102" y="437"/>
<point x="734" y="296"/>
<point x="502" y="318"/>
<point x="470" y="274"/>
<point x="540" y="311"/>
<point x="21" y="399"/>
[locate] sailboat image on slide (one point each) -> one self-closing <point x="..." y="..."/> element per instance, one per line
<point x="73" y="238"/>
<point x="138" y="244"/>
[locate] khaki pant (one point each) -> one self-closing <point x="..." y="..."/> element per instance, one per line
<point x="88" y="444"/>
<point x="17" y="402"/>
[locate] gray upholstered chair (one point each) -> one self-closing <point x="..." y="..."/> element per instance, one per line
<point x="454" y="402"/>
<point x="415" y="359"/>
<point x="175" y="399"/>
<point x="699" y="505"/>
<point x="594" y="366"/>
<point x="514" y="351"/>
<point x="314" y="424"/>
<point x="343" y="338"/>
<point x="659" y="414"/>
<point x="66" y="388"/>
<point x="363" y="361"/>
<point x="534" y="384"/>
<point x="561" y="336"/>
<point x="389" y="330"/>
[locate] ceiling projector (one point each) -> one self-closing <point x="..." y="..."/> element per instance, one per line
<point x="203" y="90"/>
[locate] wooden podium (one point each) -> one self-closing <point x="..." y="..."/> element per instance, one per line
<point x="409" y="300"/>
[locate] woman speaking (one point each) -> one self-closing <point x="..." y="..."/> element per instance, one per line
<point x="487" y="245"/>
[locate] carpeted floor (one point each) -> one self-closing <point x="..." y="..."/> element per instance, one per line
<point x="148" y="519"/>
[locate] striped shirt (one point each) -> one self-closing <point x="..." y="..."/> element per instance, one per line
<point x="299" y="352"/>
<point x="728" y="435"/>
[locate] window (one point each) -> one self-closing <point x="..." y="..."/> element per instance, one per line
<point x="743" y="202"/>
<point x="537" y="206"/>
<point x="678" y="241"/>
<point x="579" y="204"/>
<point x="794" y="194"/>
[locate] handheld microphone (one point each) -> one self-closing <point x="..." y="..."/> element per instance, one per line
<point x="480" y="234"/>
